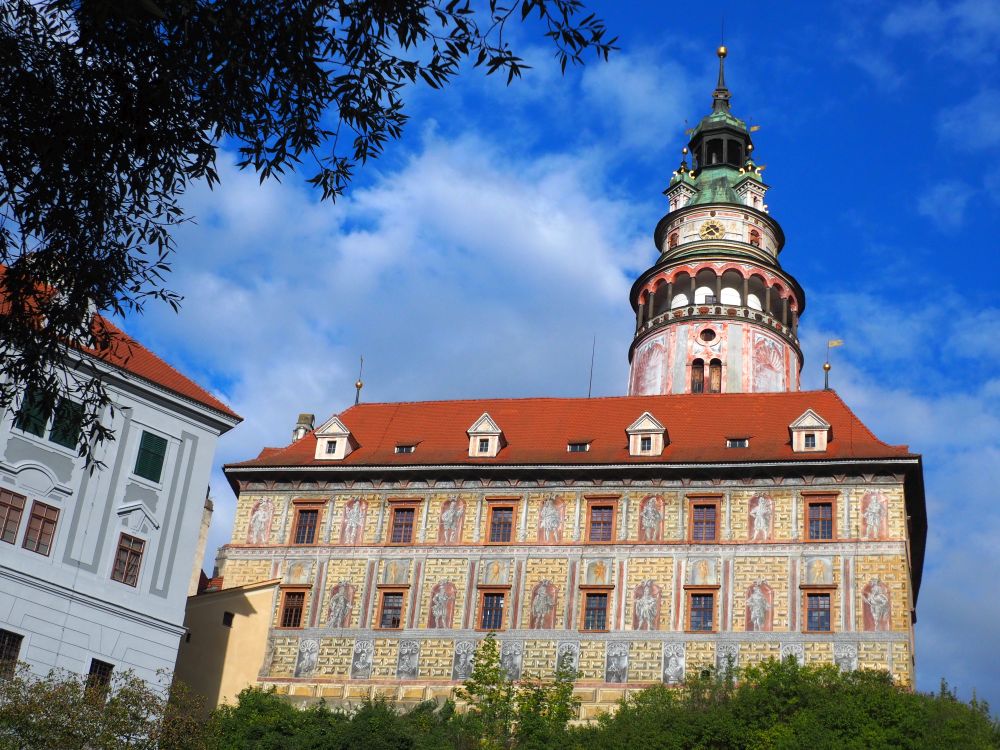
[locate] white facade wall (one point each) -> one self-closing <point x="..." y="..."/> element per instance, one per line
<point x="65" y="604"/>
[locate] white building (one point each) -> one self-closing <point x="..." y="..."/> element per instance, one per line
<point x="95" y="567"/>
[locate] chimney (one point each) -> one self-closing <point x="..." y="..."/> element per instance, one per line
<point x="303" y="426"/>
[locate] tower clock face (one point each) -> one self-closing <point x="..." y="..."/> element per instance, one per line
<point x="712" y="230"/>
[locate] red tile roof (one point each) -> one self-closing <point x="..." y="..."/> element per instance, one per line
<point x="536" y="431"/>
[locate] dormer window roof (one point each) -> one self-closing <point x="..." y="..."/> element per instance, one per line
<point x="810" y="433"/>
<point x="646" y="436"/>
<point x="333" y="441"/>
<point x="485" y="437"/>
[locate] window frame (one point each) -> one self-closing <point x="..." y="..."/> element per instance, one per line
<point x="303" y="612"/>
<point x="493" y="505"/>
<point x="383" y="591"/>
<point x="299" y="505"/>
<point x="401" y="504"/>
<point x="602" y="501"/>
<point x="809" y="440"/>
<point x="481" y="593"/>
<point x="578" y="446"/>
<point x="128" y="552"/>
<point x="7" y="508"/>
<point x="645" y="443"/>
<point x="808" y="591"/>
<point x="97" y="679"/>
<point x="608" y="593"/>
<point x="405" y="449"/>
<point x="30" y="412"/>
<point x="810" y="499"/>
<point x="27" y="529"/>
<point x="714" y="500"/>
<point x="8" y="664"/>
<point x="692" y="591"/>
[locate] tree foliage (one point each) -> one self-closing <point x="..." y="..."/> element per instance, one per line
<point x="110" y="109"/>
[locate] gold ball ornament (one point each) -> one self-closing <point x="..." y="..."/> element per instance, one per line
<point x="722" y="51"/>
<point x="359" y="385"/>
<point x="826" y="366"/>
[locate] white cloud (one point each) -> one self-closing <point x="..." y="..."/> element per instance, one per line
<point x="974" y="124"/>
<point x="966" y="29"/>
<point x="945" y="203"/>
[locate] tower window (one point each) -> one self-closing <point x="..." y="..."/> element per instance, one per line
<point x="715" y="376"/>
<point x="714" y="154"/>
<point x="735" y="153"/>
<point x="698" y="376"/>
<point x="755" y="236"/>
<point x="674" y="239"/>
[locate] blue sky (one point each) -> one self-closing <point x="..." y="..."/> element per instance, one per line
<point x="486" y="250"/>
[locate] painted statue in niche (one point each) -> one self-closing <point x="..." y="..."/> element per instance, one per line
<point x="551" y="517"/>
<point x="673" y="663"/>
<point x="845" y="656"/>
<point x="768" y="365"/>
<point x="598" y="572"/>
<point x="702" y="572"/>
<point x="651" y="518"/>
<point x="352" y="525"/>
<point x="510" y="659"/>
<point x="450" y="526"/>
<point x="461" y="668"/>
<point x="308" y="657"/>
<point x="396" y="571"/>
<point x="495" y="572"/>
<point x="568" y="655"/>
<point x="362" y="660"/>
<point x="646" y="606"/>
<point x="761" y="517"/>
<point x="874" y="513"/>
<point x="878" y="607"/>
<point x="759" y="606"/>
<point x="616" y="662"/>
<point x="408" y="663"/>
<point x="338" y="612"/>
<point x="442" y="611"/>
<point x="543" y="605"/>
<point x="727" y="657"/>
<point x="259" y="531"/>
<point x="648" y="366"/>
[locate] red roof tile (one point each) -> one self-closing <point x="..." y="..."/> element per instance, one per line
<point x="536" y="431"/>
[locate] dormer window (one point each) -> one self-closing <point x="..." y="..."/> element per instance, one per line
<point x="485" y="438"/>
<point x="409" y="448"/>
<point x="646" y="436"/>
<point x="577" y="447"/>
<point x="333" y="441"/>
<point x="810" y="433"/>
<point x="738" y="442"/>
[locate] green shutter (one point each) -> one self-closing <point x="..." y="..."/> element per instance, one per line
<point x="149" y="462"/>
<point x="31" y="417"/>
<point x="66" y="423"/>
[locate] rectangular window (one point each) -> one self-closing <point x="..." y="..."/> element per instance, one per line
<point x="391" y="616"/>
<point x="331" y="446"/>
<point x="32" y="415"/>
<point x="645" y="443"/>
<point x="810" y="440"/>
<point x="737" y="442"/>
<point x="402" y="525"/>
<point x="152" y="452"/>
<point x="578" y="447"/>
<point x="820" y="520"/>
<point x="41" y="528"/>
<point x="501" y="524"/>
<point x="595" y="612"/>
<point x="10" y="650"/>
<point x="818" y="612"/>
<point x="484" y="445"/>
<point x="701" y="612"/>
<point x="66" y="423"/>
<point x="405" y="448"/>
<point x="99" y="677"/>
<point x="602" y="522"/>
<point x="292" y="606"/>
<point x="11" y="510"/>
<point x="704" y="522"/>
<point x="491" y="616"/>
<point x="306" y="521"/>
<point x="128" y="559"/>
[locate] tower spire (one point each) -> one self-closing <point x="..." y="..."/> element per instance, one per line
<point x="720" y="97"/>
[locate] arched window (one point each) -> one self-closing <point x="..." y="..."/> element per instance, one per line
<point x="698" y="376"/>
<point x="715" y="376"/>
<point x="755" y="238"/>
<point x="673" y="240"/>
<point x="715" y="148"/>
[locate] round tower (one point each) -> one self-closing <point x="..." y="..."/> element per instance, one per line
<point x="716" y="313"/>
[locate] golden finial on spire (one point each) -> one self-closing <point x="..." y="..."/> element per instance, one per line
<point x="722" y="51"/>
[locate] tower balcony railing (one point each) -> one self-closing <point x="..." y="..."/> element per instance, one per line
<point x="716" y="311"/>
